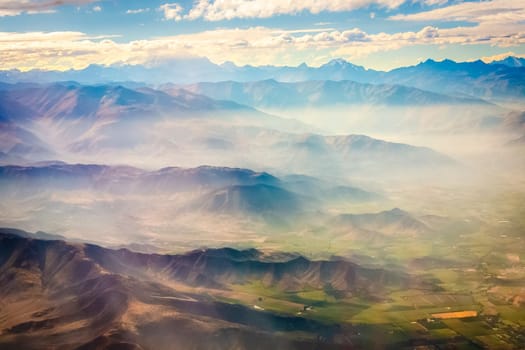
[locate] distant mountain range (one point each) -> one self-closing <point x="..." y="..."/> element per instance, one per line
<point x="498" y="80"/>
<point x="488" y="81"/>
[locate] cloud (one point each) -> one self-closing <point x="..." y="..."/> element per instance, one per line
<point x="136" y="11"/>
<point x="496" y="22"/>
<point x="53" y="50"/>
<point x="475" y="12"/>
<point x="501" y="56"/>
<point x="255" y="45"/>
<point x="17" y="7"/>
<point x="172" y="11"/>
<point x="435" y="2"/>
<point x="97" y="8"/>
<point x="218" y="10"/>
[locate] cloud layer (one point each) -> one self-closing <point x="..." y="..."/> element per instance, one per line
<point x="494" y="11"/>
<point x="216" y="10"/>
<point x="17" y="7"/>
<point x="256" y="45"/>
<point x="498" y="23"/>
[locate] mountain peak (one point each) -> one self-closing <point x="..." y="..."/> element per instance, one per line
<point x="341" y="63"/>
<point x="430" y="61"/>
<point x="511" y="61"/>
<point x="397" y="211"/>
<point x="338" y="62"/>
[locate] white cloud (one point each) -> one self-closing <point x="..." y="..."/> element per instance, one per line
<point x="172" y="11"/>
<point x="501" y="56"/>
<point x="475" y="12"/>
<point x="256" y="46"/>
<point x="217" y="10"/>
<point x="137" y="11"/>
<point x="434" y="2"/>
<point x="496" y="22"/>
<point x="17" y="7"/>
<point x="97" y="8"/>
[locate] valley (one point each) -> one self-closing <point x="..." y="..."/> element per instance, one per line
<point x="161" y="299"/>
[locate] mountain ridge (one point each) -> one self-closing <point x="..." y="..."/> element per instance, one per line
<point x="479" y="79"/>
<point x="58" y="294"/>
<point x="273" y="94"/>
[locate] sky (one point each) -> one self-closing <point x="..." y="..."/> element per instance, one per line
<point x="377" y="34"/>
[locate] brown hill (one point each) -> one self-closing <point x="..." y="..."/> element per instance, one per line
<point x="55" y="294"/>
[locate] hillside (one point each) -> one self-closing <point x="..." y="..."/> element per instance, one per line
<point x="259" y="199"/>
<point x="395" y="222"/>
<point x="57" y="294"/>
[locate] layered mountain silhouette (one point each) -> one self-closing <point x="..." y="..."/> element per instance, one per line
<point x="58" y="175"/>
<point x="499" y="79"/>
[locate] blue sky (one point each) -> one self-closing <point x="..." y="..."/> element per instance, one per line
<point x="379" y="34"/>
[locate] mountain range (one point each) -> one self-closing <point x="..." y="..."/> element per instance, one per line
<point x="212" y="190"/>
<point x="59" y="294"/>
<point x="497" y="80"/>
<point x="117" y="179"/>
<point x="319" y="93"/>
<point x="69" y="120"/>
<point x="77" y="117"/>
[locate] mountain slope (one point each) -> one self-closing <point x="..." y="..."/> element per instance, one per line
<point x="391" y="222"/>
<point x="259" y="199"/>
<point x="83" y="119"/>
<point x="358" y="155"/>
<point x="60" y="295"/>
